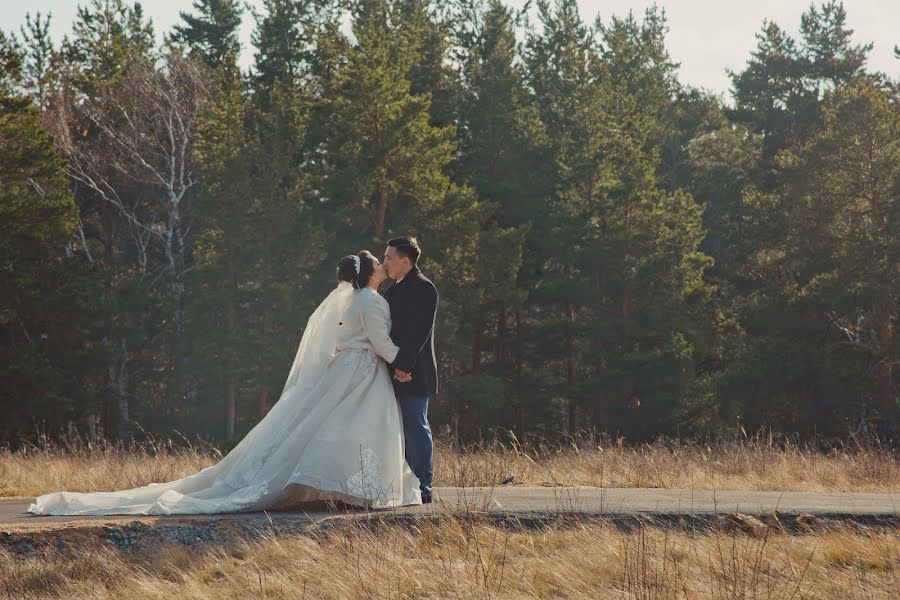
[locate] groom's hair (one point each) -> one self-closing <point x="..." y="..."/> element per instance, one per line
<point x="407" y="247"/>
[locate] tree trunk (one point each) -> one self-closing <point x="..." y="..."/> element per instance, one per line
<point x="120" y="391"/>
<point x="175" y="256"/>
<point x="600" y="416"/>
<point x="230" y="399"/>
<point x="500" y="345"/>
<point x="263" y="405"/>
<point x="887" y="397"/>
<point x="380" y="209"/>
<point x="455" y="408"/>
<point x="476" y="346"/>
<point x="520" y="404"/>
<point x="230" y="408"/>
<point x="174" y="250"/>
<point x="570" y="368"/>
<point x="231" y="394"/>
<point x="105" y="407"/>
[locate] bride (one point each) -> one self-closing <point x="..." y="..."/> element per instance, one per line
<point x="334" y="434"/>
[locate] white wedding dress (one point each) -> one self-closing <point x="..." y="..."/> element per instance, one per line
<point x="334" y="434"/>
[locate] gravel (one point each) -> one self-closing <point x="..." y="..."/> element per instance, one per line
<point x="140" y="537"/>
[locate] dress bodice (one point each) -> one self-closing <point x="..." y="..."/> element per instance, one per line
<point x="366" y="325"/>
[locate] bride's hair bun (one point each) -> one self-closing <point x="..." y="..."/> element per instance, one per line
<point x="346" y="269"/>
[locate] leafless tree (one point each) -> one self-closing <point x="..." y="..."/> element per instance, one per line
<point x="131" y="148"/>
<point x="146" y="130"/>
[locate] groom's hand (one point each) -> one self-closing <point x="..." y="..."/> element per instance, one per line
<point x="402" y="376"/>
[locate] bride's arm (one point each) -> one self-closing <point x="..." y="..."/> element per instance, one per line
<point x="375" y="318"/>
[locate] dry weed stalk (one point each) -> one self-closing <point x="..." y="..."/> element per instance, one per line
<point x="761" y="463"/>
<point x="466" y="556"/>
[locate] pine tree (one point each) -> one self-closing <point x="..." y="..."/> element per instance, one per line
<point x="568" y="192"/>
<point x="766" y="92"/>
<point x="780" y="90"/>
<point x="501" y="134"/>
<point x="562" y="65"/>
<point x="643" y="255"/>
<point x="286" y="35"/>
<point x="384" y="158"/>
<point x="634" y="59"/>
<point x="841" y="241"/>
<point x="213" y="363"/>
<point x="830" y="57"/>
<point x="779" y="97"/>
<point x="424" y="35"/>
<point x="501" y="157"/>
<point x="45" y="366"/>
<point x="109" y="37"/>
<point x="628" y="246"/>
<point x="221" y="257"/>
<point x="10" y="63"/>
<point x="212" y="33"/>
<point x="719" y="166"/>
<point x="291" y="243"/>
<point x="41" y="61"/>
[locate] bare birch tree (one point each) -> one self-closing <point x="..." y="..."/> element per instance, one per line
<point x="130" y="148"/>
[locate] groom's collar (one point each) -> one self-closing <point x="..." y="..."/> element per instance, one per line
<point x="414" y="271"/>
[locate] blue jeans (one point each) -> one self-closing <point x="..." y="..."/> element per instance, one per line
<point x="419" y="445"/>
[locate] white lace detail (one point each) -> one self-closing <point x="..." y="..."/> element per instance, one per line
<point x="367" y="483"/>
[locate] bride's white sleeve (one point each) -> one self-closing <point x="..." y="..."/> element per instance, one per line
<point x="375" y="322"/>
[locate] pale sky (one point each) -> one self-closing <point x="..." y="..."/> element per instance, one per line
<point x="705" y="36"/>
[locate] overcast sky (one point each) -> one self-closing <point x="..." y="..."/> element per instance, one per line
<point x="705" y="36"/>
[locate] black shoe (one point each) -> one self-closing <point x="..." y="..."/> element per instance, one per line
<point x="426" y="498"/>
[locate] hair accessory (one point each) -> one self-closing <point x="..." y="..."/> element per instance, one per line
<point x="356" y="263"/>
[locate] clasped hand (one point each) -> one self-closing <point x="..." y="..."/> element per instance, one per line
<point x="402" y="376"/>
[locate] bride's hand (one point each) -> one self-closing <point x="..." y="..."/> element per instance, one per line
<point x="402" y="376"/>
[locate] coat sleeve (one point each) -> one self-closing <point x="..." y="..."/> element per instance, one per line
<point x="420" y="326"/>
<point x="375" y="323"/>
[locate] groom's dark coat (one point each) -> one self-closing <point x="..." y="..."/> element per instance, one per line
<point x="413" y="303"/>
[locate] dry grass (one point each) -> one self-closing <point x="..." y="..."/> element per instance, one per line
<point x="459" y="558"/>
<point x="76" y="464"/>
<point x="750" y="464"/>
<point x="747" y="464"/>
<point x="464" y="557"/>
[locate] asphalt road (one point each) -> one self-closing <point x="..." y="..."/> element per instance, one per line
<point x="532" y="500"/>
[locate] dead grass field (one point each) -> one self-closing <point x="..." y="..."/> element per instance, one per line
<point x="462" y="558"/>
<point x="749" y="464"/>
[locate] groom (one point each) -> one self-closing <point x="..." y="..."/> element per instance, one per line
<point x="413" y="300"/>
